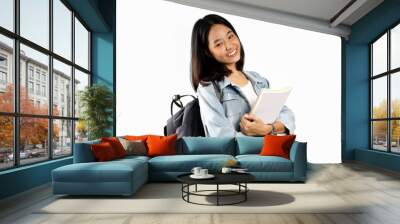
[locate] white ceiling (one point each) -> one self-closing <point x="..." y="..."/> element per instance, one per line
<point x="315" y="15"/>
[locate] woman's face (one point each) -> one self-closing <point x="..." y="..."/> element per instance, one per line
<point x="224" y="45"/>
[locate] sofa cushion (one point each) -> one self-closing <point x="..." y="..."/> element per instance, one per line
<point x="111" y="171"/>
<point x="103" y="152"/>
<point x="116" y="145"/>
<point x="209" y="145"/>
<point x="249" y="145"/>
<point x="257" y="163"/>
<point x="185" y="163"/>
<point x="277" y="145"/>
<point x="161" y="145"/>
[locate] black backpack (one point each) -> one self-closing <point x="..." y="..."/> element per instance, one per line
<point x="187" y="121"/>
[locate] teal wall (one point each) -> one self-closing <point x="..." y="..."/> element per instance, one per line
<point x="355" y="58"/>
<point x="99" y="16"/>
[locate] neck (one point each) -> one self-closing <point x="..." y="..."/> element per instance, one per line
<point x="232" y="67"/>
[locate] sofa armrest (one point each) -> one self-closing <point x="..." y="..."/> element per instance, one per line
<point x="298" y="155"/>
<point x="83" y="152"/>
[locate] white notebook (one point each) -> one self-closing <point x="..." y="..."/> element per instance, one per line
<point x="269" y="103"/>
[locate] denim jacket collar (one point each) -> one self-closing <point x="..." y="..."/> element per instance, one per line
<point x="256" y="82"/>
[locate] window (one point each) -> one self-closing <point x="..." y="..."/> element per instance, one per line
<point x="37" y="74"/>
<point x="3" y="61"/>
<point x="3" y="78"/>
<point x="7" y="14"/>
<point x="30" y="87"/>
<point x="81" y="45"/>
<point x="44" y="91"/>
<point x="30" y="72"/>
<point x="54" y="126"/>
<point x="38" y="89"/>
<point x="6" y="72"/>
<point x="62" y="29"/>
<point x="35" y="21"/>
<point x="385" y="91"/>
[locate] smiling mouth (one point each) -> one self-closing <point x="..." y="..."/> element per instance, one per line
<point x="233" y="53"/>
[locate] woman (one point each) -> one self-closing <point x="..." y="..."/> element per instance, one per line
<point x="218" y="56"/>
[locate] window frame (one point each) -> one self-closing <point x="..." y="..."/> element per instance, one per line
<point x="15" y="72"/>
<point x="388" y="74"/>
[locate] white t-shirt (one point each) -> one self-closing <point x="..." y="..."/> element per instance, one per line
<point x="248" y="92"/>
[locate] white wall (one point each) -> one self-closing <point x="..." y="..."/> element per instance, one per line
<point x="153" y="63"/>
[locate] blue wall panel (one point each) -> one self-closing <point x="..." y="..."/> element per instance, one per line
<point x="356" y="81"/>
<point x="24" y="178"/>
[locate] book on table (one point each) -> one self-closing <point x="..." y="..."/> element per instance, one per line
<point x="269" y="103"/>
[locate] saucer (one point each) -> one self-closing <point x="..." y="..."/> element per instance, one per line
<point x="208" y="176"/>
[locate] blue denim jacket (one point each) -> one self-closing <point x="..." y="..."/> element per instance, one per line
<point x="223" y="118"/>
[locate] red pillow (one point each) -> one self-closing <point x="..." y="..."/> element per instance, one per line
<point x="161" y="145"/>
<point x="277" y="145"/>
<point x="103" y="151"/>
<point x="116" y="145"/>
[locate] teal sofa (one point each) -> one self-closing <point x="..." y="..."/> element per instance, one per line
<point x="125" y="176"/>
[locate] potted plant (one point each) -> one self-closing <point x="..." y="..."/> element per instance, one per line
<point x="96" y="102"/>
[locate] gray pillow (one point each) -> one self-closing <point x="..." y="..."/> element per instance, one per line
<point x="136" y="147"/>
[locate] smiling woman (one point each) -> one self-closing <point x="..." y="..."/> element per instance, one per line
<point x="218" y="56"/>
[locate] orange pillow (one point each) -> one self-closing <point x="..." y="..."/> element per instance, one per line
<point x="103" y="151"/>
<point x="161" y="145"/>
<point x="135" y="138"/>
<point x="277" y="145"/>
<point x="116" y="145"/>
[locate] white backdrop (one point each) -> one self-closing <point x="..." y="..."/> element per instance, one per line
<point x="153" y="63"/>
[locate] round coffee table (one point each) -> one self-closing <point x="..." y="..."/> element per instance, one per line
<point x="238" y="179"/>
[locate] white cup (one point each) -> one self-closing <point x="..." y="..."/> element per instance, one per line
<point x="226" y="170"/>
<point x="203" y="172"/>
<point x="196" y="170"/>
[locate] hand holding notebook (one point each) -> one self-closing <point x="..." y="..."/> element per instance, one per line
<point x="269" y="103"/>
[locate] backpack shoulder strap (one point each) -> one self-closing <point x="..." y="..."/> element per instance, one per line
<point x="217" y="90"/>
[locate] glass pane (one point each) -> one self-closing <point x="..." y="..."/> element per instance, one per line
<point x="379" y="98"/>
<point x="7" y="14"/>
<point x="62" y="29"/>
<point x="379" y="135"/>
<point x="35" y="21"/>
<point x="395" y="47"/>
<point x="6" y="142"/>
<point x="81" y="131"/>
<point x="81" y="81"/>
<point x="34" y="97"/>
<point x="395" y="94"/>
<point x="62" y="89"/>
<point x="81" y="45"/>
<point x="33" y="139"/>
<point x="62" y="137"/>
<point x="395" y="136"/>
<point x="6" y="74"/>
<point x="379" y="55"/>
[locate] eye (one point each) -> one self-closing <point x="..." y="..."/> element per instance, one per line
<point x="219" y="44"/>
<point x="230" y="36"/>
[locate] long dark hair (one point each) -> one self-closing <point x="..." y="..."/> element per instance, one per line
<point x="204" y="67"/>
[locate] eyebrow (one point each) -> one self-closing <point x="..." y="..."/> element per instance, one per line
<point x="230" y="31"/>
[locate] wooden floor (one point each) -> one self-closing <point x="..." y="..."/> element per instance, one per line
<point x="377" y="188"/>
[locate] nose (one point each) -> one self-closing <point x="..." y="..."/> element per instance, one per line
<point x="228" y="45"/>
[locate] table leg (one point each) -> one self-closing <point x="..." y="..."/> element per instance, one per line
<point x="245" y="191"/>
<point x="196" y="188"/>
<point x="217" y="194"/>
